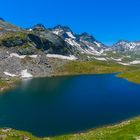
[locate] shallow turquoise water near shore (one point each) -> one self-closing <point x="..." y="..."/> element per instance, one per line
<point x="69" y="104"/>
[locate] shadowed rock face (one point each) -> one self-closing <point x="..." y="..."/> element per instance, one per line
<point x="26" y="41"/>
<point x="32" y="43"/>
<point x="12" y="42"/>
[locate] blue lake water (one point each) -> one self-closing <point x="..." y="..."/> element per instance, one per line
<point x="70" y="104"/>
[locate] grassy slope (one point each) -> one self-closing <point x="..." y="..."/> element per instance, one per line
<point x="133" y="76"/>
<point x="90" y="67"/>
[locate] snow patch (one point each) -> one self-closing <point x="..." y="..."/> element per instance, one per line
<point x="70" y="35"/>
<point x="33" y="56"/>
<point x="91" y="50"/>
<point x="125" y="64"/>
<point x="25" y="74"/>
<point x="71" y="57"/>
<point x="18" y="56"/>
<point x="135" y="62"/>
<point x="30" y="30"/>
<point x="57" y="31"/>
<point x="130" y="63"/>
<point x="119" y="59"/>
<point x="9" y="74"/>
<point x="22" y="56"/>
<point x="72" y="42"/>
<point x="128" y="56"/>
<point x="99" y="58"/>
<point x="98" y="44"/>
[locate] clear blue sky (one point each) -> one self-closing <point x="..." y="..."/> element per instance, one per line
<point x="108" y="20"/>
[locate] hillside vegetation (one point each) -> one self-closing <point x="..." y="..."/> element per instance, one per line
<point x="133" y="76"/>
<point x="91" y="67"/>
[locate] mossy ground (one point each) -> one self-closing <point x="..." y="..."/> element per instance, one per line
<point x="7" y="84"/>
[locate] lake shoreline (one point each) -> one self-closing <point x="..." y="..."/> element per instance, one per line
<point x="10" y="84"/>
<point x="72" y="68"/>
<point x="103" y="132"/>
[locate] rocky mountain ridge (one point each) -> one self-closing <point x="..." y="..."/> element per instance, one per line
<point x="26" y="52"/>
<point x="62" y="40"/>
<point x="127" y="46"/>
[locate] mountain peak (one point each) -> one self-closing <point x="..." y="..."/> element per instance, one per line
<point x="86" y="37"/>
<point x="122" y="41"/>
<point x="39" y="27"/>
<point x="65" y="28"/>
<point x="85" y="34"/>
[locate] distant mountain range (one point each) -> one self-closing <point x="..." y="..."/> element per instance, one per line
<point x="60" y="40"/>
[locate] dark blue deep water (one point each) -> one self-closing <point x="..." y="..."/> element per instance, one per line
<point x="62" y="105"/>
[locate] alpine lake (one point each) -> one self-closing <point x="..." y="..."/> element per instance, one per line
<point x="69" y="104"/>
